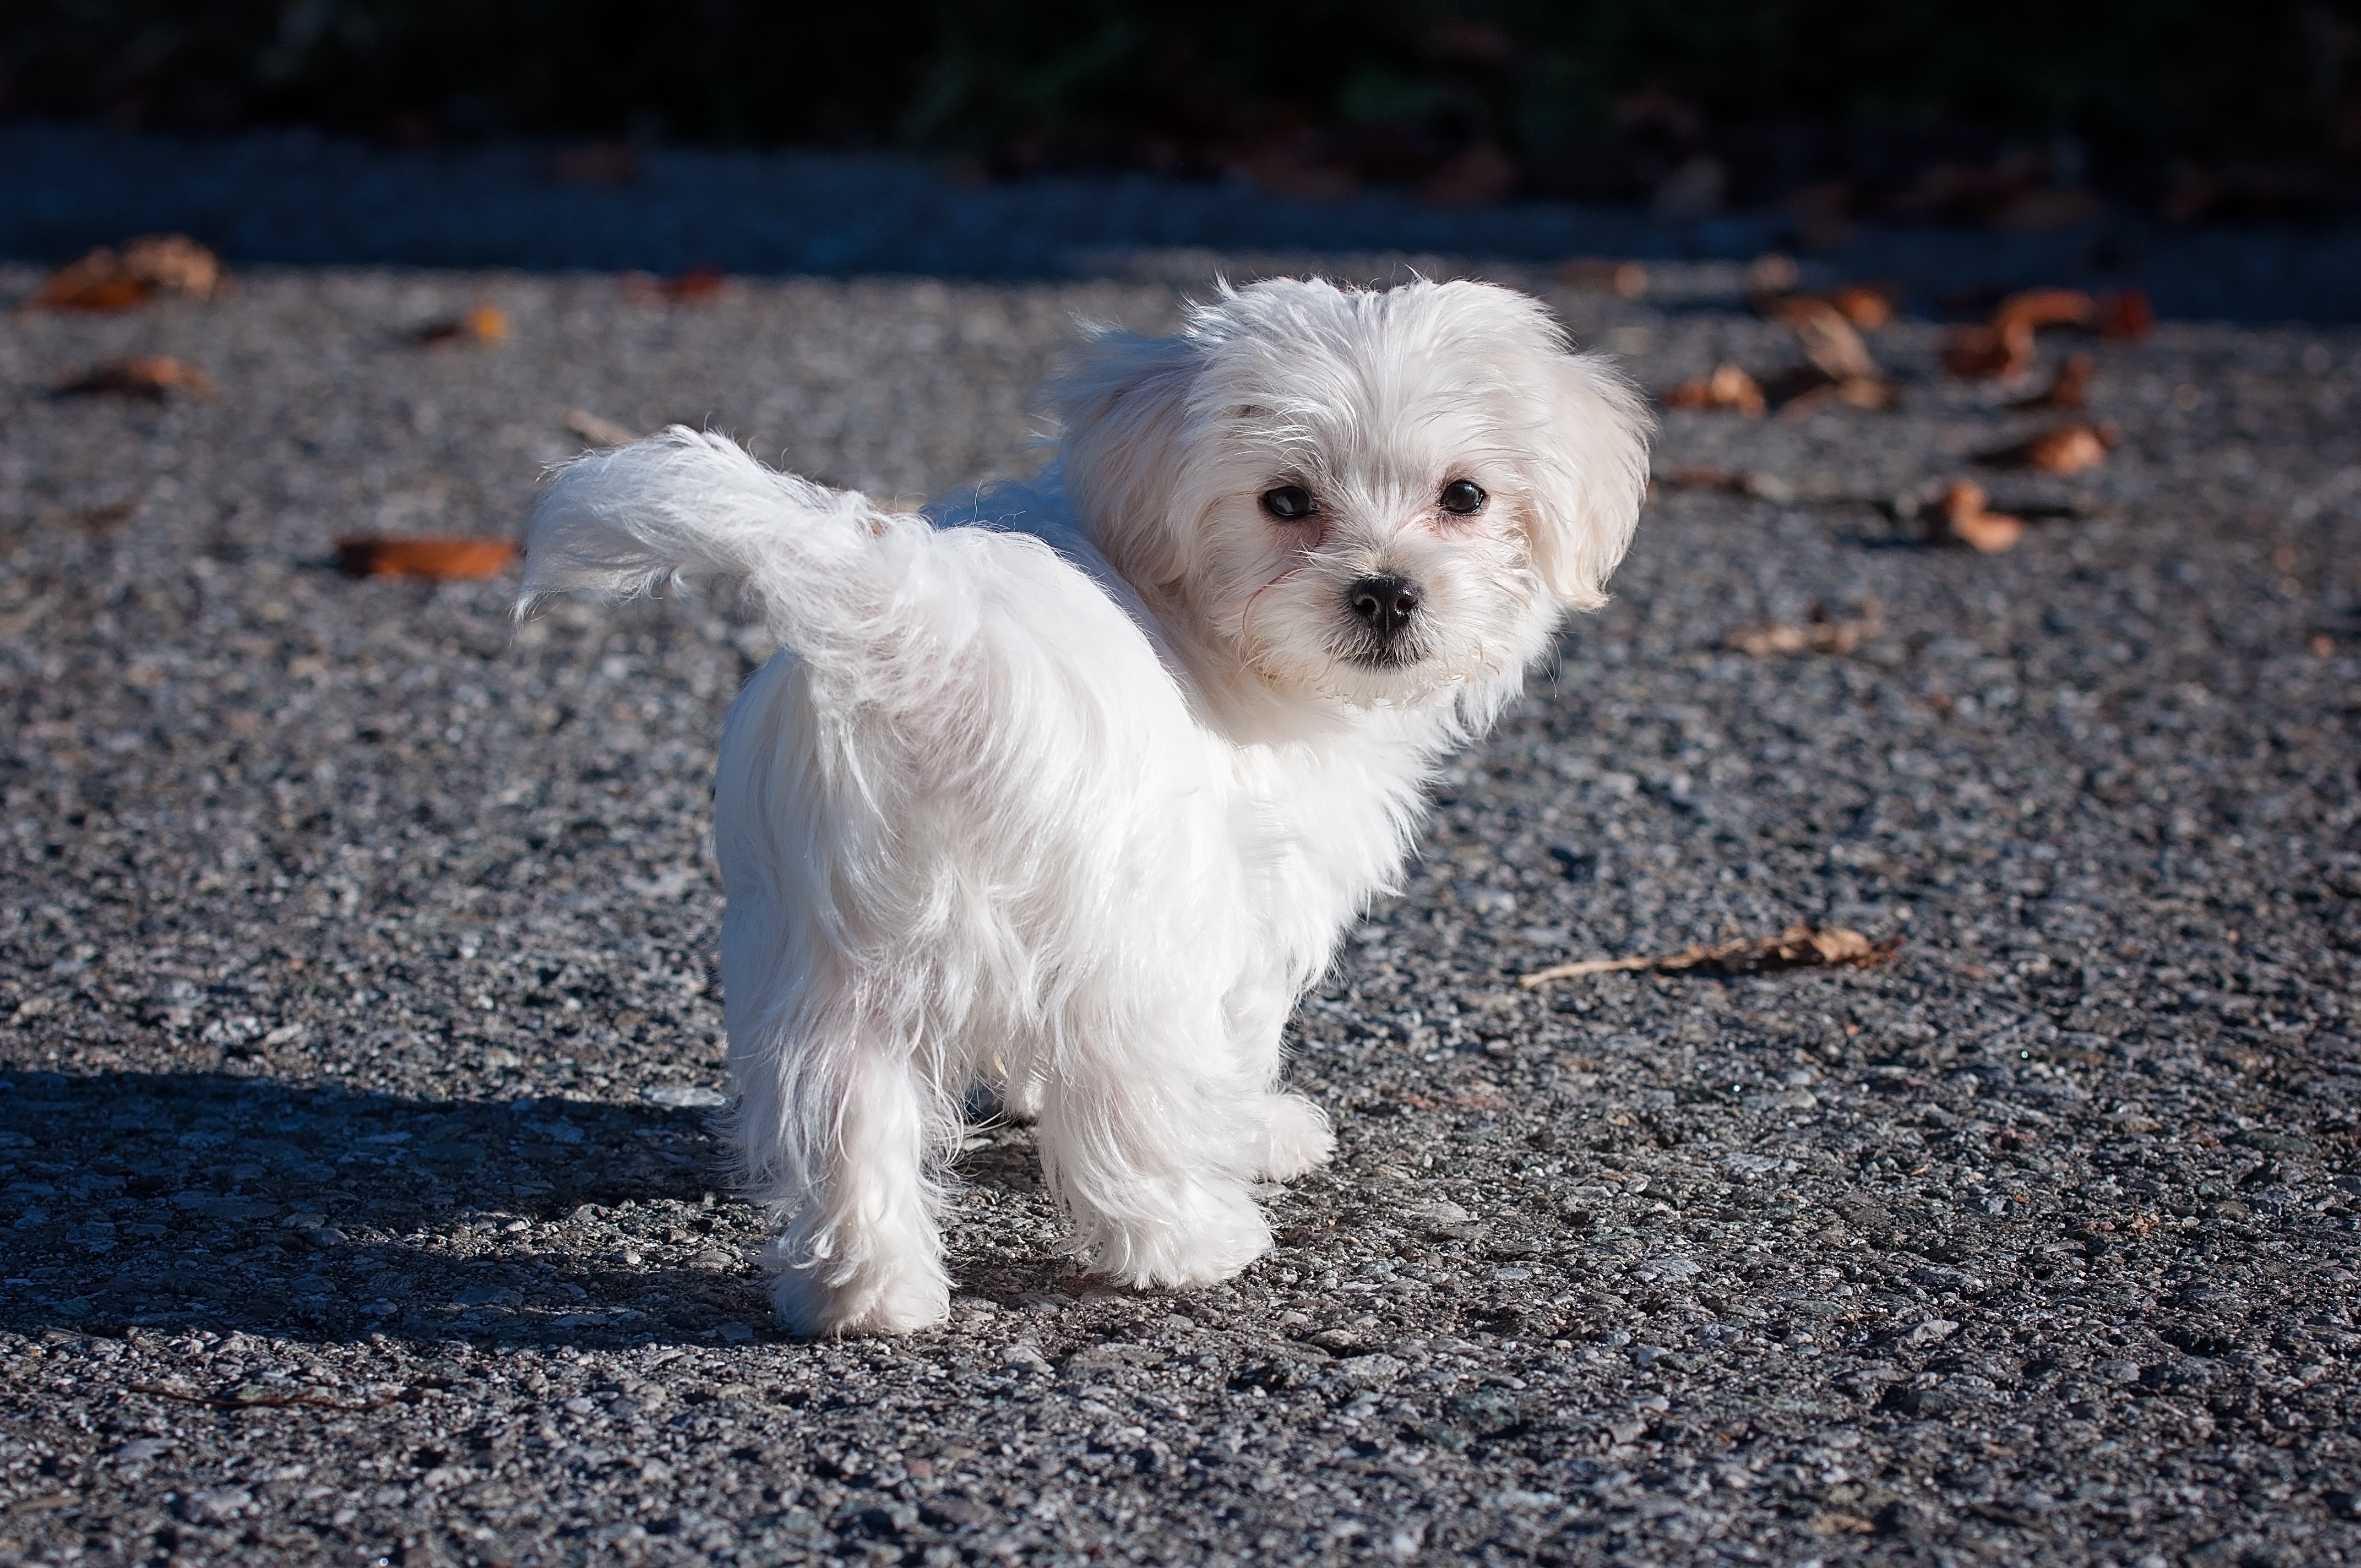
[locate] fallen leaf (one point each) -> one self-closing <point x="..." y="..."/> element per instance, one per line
<point x="1835" y="1521"/>
<point x="439" y="560"/>
<point x="1865" y="307"/>
<point x="1727" y="388"/>
<point x="1761" y="484"/>
<point x="693" y="287"/>
<point x="2067" y="449"/>
<point x="2126" y="313"/>
<point x="485" y="323"/>
<point x="147" y="375"/>
<point x="1706" y="479"/>
<point x="1805" y="388"/>
<point x="1964" y="519"/>
<point x="2003" y="347"/>
<point x="1800" y="945"/>
<point x="1864" y="392"/>
<point x="1972" y="353"/>
<point x="1831" y="341"/>
<point x="2038" y="308"/>
<point x="2068" y="391"/>
<point x="109" y="279"/>
<point x="598" y="431"/>
<point x="1822" y="634"/>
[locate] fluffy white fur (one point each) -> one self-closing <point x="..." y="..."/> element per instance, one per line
<point x="1073" y="789"/>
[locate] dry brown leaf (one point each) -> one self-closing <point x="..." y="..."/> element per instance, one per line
<point x="1835" y="348"/>
<point x="2126" y="313"/>
<point x="145" y="376"/>
<point x="694" y="287"/>
<point x="1704" y="480"/>
<point x="439" y="560"/>
<point x="109" y="279"/>
<point x="1972" y="353"/>
<point x="2067" y="449"/>
<point x="1964" y="519"/>
<point x="1802" y="389"/>
<point x="2068" y="391"/>
<point x="2038" y="308"/>
<point x="1863" y="392"/>
<point x="1865" y="307"/>
<point x="1831" y="341"/>
<point x="485" y="323"/>
<point x="2004" y="346"/>
<point x="1759" y="483"/>
<point x="1835" y="1521"/>
<point x="1800" y="394"/>
<point x="1727" y="388"/>
<point x="598" y="431"/>
<point x="1822" y="634"/>
<point x="1800" y="945"/>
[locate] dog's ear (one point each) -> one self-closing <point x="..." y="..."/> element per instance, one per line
<point x="1589" y="471"/>
<point x="1123" y="405"/>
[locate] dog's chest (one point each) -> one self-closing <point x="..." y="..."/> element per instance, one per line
<point x="1319" y="832"/>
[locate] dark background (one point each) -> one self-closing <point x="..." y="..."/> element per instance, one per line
<point x="1942" y="110"/>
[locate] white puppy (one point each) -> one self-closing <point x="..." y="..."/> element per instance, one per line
<point x="1074" y="788"/>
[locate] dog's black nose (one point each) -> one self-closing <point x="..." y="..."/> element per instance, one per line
<point x="1383" y="605"/>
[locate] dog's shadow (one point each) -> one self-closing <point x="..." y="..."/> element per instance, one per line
<point x="207" y="1200"/>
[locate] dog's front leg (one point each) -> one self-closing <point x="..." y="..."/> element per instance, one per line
<point x="1154" y="1160"/>
<point x="1292" y="1136"/>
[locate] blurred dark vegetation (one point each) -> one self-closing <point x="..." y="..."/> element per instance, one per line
<point x="1997" y="111"/>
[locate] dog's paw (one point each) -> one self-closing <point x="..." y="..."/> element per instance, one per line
<point x="1295" y="1139"/>
<point x="874" y="1300"/>
<point x="1021" y="1099"/>
<point x="1179" y="1236"/>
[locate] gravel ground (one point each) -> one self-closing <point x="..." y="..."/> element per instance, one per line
<point x="360" y="1016"/>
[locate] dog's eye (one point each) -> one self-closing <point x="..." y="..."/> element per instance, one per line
<point x="1288" y="503"/>
<point x="1464" y="498"/>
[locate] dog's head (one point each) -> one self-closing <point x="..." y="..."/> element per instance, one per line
<point x="1383" y="497"/>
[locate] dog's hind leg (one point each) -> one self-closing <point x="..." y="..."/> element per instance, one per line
<point x="862" y="1253"/>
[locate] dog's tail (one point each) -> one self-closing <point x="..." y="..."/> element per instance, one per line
<point x="685" y="506"/>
